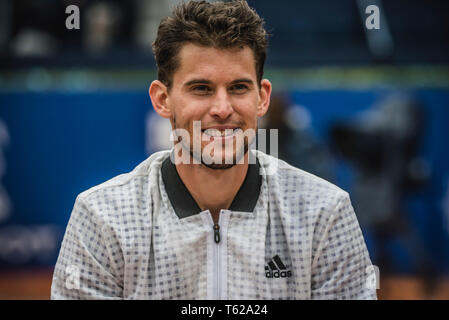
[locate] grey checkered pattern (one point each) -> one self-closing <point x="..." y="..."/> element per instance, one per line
<point x="127" y="242"/>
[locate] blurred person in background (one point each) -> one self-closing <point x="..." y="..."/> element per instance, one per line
<point x="5" y="203"/>
<point x="383" y="143"/>
<point x="296" y="143"/>
<point x="102" y="23"/>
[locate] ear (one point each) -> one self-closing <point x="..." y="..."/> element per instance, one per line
<point x="264" y="97"/>
<point x="159" y="96"/>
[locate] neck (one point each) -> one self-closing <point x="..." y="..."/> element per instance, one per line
<point x="213" y="189"/>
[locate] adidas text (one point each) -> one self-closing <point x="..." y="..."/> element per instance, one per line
<point x="278" y="274"/>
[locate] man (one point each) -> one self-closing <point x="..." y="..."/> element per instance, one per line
<point x="213" y="224"/>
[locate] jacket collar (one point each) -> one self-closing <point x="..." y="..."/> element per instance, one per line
<point x="184" y="204"/>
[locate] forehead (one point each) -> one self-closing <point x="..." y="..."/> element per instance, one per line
<point x="215" y="64"/>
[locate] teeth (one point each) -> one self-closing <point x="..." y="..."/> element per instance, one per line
<point x="220" y="133"/>
<point x="213" y="132"/>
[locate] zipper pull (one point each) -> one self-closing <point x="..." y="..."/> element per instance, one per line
<point x="217" y="233"/>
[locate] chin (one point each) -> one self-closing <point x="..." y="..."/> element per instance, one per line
<point x="226" y="162"/>
<point x="219" y="166"/>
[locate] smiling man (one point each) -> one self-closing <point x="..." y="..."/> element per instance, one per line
<point x="214" y="224"/>
<point x="219" y="88"/>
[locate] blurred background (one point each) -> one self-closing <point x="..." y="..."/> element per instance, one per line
<point x="365" y="109"/>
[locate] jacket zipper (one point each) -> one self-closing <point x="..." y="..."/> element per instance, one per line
<point x="219" y="244"/>
<point x="216" y="228"/>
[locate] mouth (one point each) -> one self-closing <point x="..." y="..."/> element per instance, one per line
<point x="221" y="132"/>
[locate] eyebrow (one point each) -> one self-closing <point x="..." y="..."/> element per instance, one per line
<point x="196" y="81"/>
<point x="245" y="80"/>
<point x="206" y="81"/>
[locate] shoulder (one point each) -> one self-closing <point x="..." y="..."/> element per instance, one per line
<point x="296" y="185"/>
<point x="125" y="190"/>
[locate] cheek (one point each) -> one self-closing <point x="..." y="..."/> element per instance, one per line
<point x="188" y="111"/>
<point x="247" y="110"/>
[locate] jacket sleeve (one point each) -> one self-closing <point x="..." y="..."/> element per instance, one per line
<point x="341" y="266"/>
<point x="90" y="259"/>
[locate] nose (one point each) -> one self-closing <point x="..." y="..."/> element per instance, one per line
<point x="221" y="105"/>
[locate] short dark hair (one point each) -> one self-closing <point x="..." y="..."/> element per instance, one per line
<point x="221" y="25"/>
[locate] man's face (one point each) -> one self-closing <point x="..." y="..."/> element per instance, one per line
<point x="219" y="88"/>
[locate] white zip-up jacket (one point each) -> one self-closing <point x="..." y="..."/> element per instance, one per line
<point x="286" y="235"/>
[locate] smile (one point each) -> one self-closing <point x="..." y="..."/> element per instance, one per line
<point x="219" y="133"/>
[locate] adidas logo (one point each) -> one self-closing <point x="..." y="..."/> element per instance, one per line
<point x="275" y="268"/>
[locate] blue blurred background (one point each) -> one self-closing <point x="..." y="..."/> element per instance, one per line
<point x="365" y="109"/>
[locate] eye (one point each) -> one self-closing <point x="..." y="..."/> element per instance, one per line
<point x="201" y="89"/>
<point x="239" y="88"/>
